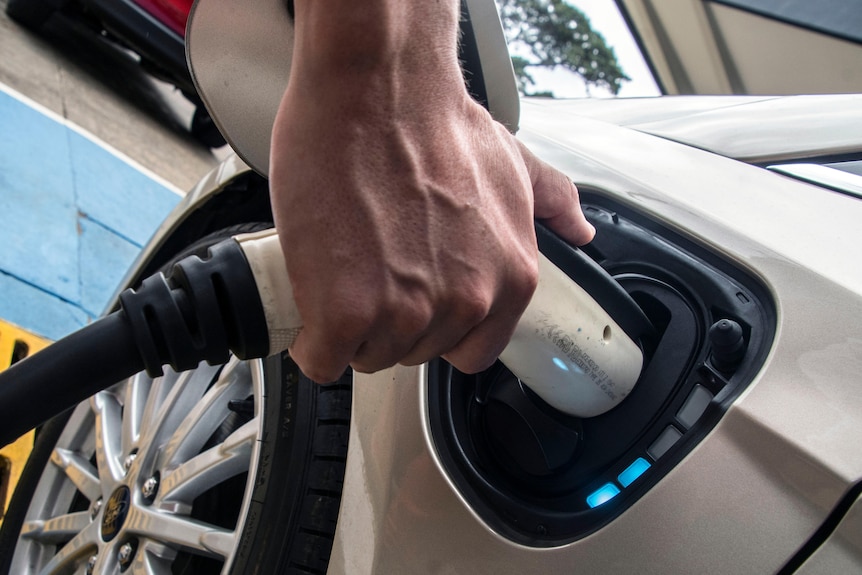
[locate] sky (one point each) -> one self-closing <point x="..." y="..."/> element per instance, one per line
<point x="605" y="18"/>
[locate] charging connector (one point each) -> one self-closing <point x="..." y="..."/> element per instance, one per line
<point x="202" y="310"/>
<point x="567" y="348"/>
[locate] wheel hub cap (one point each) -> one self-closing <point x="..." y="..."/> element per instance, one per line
<point x="115" y="513"/>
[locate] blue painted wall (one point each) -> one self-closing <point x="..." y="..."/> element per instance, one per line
<point x="73" y="216"/>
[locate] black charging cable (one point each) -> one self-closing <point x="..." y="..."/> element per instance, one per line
<point x="202" y="310"/>
<point x="580" y="327"/>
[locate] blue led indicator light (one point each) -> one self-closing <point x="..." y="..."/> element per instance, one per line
<point x="561" y="364"/>
<point x="633" y="471"/>
<point x="602" y="495"/>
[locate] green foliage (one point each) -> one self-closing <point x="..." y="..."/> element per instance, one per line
<point x="551" y="34"/>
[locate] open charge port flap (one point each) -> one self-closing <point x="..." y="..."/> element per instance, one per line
<point x="543" y="478"/>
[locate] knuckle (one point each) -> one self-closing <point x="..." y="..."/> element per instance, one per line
<point x="368" y="363"/>
<point x="528" y="280"/>
<point x="412" y="320"/>
<point x="384" y="351"/>
<point x="350" y="320"/>
<point x="471" y="306"/>
<point x="321" y="375"/>
<point x="364" y="367"/>
<point x="519" y="287"/>
<point x="471" y="360"/>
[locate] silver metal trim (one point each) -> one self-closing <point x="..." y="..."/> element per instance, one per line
<point x="831" y="178"/>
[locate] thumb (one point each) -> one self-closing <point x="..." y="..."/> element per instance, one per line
<point x="556" y="200"/>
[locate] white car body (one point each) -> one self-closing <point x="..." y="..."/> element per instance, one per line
<point x="770" y="483"/>
<point x="768" y="476"/>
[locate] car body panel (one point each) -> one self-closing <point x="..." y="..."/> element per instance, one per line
<point x="754" y="129"/>
<point x="768" y="210"/>
<point x="754" y="490"/>
<point x="778" y="466"/>
<point x="840" y="553"/>
<point x="752" y="493"/>
<point x="776" y="125"/>
<point x="762" y="482"/>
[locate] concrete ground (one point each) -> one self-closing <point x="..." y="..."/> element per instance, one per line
<point x="93" y="154"/>
<point x="101" y="88"/>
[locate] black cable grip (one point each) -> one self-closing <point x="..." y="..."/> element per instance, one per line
<point x="201" y="311"/>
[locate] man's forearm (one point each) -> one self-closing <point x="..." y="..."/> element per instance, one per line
<point x="404" y="210"/>
<point x="387" y="48"/>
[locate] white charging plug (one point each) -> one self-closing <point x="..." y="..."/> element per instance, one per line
<point x="566" y="348"/>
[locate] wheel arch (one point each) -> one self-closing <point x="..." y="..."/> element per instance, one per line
<point x="231" y="194"/>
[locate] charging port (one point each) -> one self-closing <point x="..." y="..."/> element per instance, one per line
<point x="544" y="478"/>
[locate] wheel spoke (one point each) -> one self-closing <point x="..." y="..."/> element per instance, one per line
<point x="153" y="559"/>
<point x="186" y="391"/>
<point x="159" y="389"/>
<point x="176" y="425"/>
<point x="108" y="432"/>
<point x="79" y="471"/>
<point x="211" y="467"/>
<point x="137" y="390"/>
<point x="57" y="529"/>
<point x="181" y="532"/>
<point x="74" y="552"/>
<point x="200" y="423"/>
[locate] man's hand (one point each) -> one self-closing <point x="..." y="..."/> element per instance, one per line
<point x="404" y="211"/>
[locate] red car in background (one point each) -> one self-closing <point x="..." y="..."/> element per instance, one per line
<point x="173" y="13"/>
<point x="153" y="29"/>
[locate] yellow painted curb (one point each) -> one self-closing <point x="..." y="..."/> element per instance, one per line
<point x="15" y="345"/>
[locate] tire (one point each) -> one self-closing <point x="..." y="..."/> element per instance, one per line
<point x="204" y="129"/>
<point x="31" y="14"/>
<point x="248" y="460"/>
